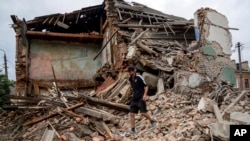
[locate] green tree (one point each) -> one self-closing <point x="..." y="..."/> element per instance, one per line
<point x="4" y="89"/>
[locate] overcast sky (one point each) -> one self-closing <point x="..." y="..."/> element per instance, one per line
<point x="237" y="12"/>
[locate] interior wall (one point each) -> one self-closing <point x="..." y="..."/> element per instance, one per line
<point x="71" y="61"/>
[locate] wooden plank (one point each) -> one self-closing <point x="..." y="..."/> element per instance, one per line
<point x="126" y="20"/>
<point x="48" y="135"/>
<point x="107" y="130"/>
<point x="235" y="102"/>
<point x="105" y="24"/>
<point x="138" y="37"/>
<point x="99" y="114"/>
<point x="170" y="28"/>
<point x="99" y="52"/>
<point x="117" y="89"/>
<point x="166" y="31"/>
<point x="147" y="49"/>
<point x="36" y="89"/>
<point x="63" y="25"/>
<point x="36" y="120"/>
<point x="217" y="113"/>
<point x="113" y="105"/>
<point x="54" y="75"/>
<point x="13" y="107"/>
<point x="148" y="26"/>
<point x="119" y="13"/>
<point x="57" y="19"/>
<point x="57" y="134"/>
<point x="144" y="16"/>
<point x="125" y="93"/>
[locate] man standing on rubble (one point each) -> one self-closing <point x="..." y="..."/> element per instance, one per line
<point x="138" y="103"/>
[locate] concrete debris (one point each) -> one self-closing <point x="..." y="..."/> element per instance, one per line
<point x="206" y="104"/>
<point x="189" y="74"/>
<point x="220" y="131"/>
<point x="241" y="118"/>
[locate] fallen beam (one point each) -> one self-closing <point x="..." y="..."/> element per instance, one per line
<point x="99" y="114"/>
<point x="147" y="49"/>
<point x="113" y="105"/>
<point x="217" y="113"/>
<point x="36" y="120"/>
<point x="65" y="36"/>
<point x="100" y="51"/>
<point x="15" y="107"/>
<point x="149" y="26"/>
<point x="234" y="102"/>
<point x="138" y="37"/>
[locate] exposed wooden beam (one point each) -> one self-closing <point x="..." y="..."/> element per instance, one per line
<point x="64" y="36"/>
<point x="99" y="52"/>
<point x="149" y="26"/>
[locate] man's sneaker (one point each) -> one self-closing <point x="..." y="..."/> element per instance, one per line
<point x="153" y="123"/>
<point x="132" y="131"/>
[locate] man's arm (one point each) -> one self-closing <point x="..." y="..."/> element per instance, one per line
<point x="145" y="95"/>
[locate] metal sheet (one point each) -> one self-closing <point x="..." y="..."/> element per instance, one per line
<point x="71" y="61"/>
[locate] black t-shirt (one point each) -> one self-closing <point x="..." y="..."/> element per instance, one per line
<point x="138" y="87"/>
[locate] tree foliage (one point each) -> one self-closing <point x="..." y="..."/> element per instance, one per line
<point x="4" y="89"/>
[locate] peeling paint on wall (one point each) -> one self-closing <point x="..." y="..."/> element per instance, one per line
<point x="70" y="61"/>
<point x="217" y="19"/>
<point x="208" y="50"/>
<point x="217" y="31"/>
<point x="227" y="75"/>
<point x="222" y="36"/>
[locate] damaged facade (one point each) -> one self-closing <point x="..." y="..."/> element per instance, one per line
<point x="181" y="61"/>
<point x="117" y="34"/>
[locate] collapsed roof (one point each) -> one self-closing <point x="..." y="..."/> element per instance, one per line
<point x="99" y="25"/>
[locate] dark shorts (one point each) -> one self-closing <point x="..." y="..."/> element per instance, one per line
<point x="139" y="105"/>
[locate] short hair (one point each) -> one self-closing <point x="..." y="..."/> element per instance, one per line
<point x="131" y="68"/>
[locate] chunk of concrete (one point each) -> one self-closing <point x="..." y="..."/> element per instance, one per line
<point x="48" y="135"/>
<point x="131" y="52"/>
<point x="160" y="86"/>
<point x="191" y="80"/>
<point x="195" y="80"/>
<point x="217" y="113"/>
<point x="242" y="118"/>
<point x="206" y="104"/>
<point x="150" y="79"/>
<point x="220" y="130"/>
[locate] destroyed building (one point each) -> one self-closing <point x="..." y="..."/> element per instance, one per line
<point x="186" y="64"/>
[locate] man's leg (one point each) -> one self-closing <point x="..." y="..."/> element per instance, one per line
<point x="132" y="120"/>
<point x="133" y="110"/>
<point x="143" y="109"/>
<point x="146" y="115"/>
<point x="152" y="121"/>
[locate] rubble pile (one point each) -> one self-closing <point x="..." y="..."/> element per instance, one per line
<point x="179" y="117"/>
